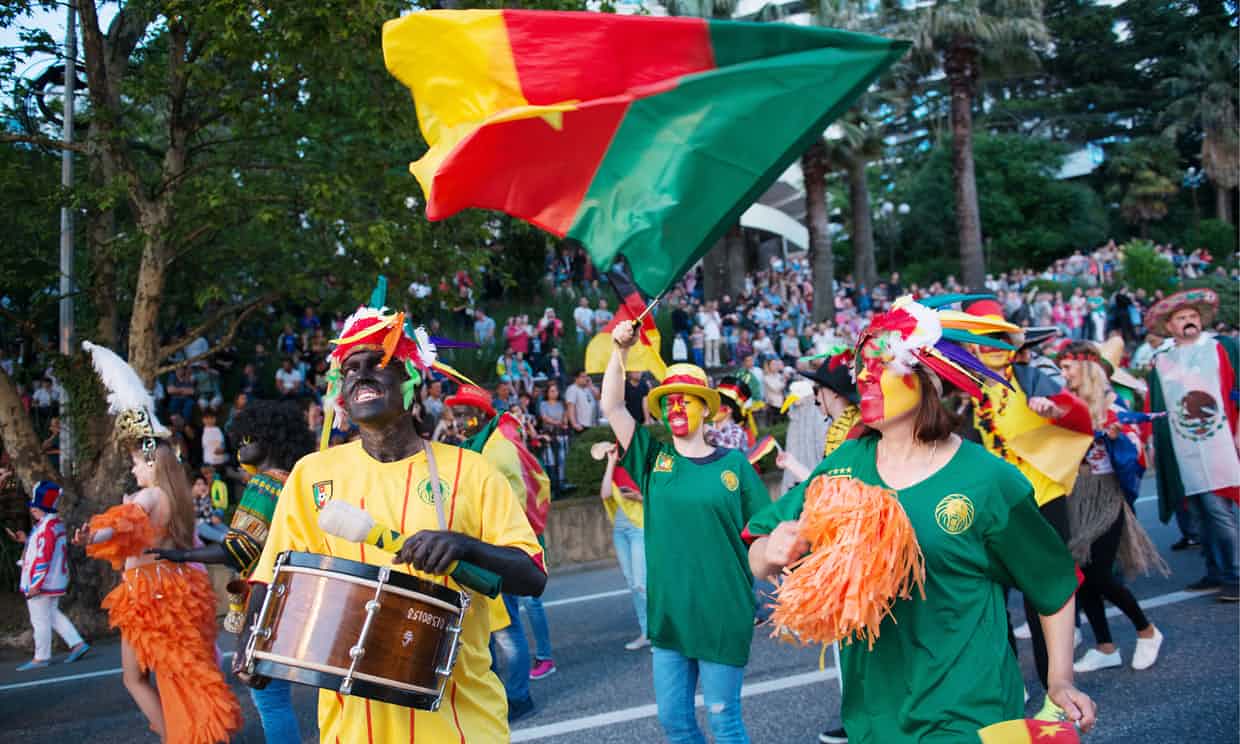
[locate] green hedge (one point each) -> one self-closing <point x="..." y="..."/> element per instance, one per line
<point x="586" y="473"/>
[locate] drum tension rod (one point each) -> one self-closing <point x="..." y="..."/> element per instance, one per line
<point x="260" y="629"/>
<point x="359" y="648"/>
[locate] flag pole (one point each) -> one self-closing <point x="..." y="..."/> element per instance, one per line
<point x="649" y="307"/>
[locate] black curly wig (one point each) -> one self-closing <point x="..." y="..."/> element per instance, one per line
<point x="280" y="426"/>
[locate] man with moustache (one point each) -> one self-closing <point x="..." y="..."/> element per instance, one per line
<point x="1195" y="445"/>
<point x="388" y="474"/>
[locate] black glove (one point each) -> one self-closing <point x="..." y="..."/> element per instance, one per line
<point x="176" y="555"/>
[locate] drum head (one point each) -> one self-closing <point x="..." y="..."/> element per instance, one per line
<point x="331" y="683"/>
<point x="367" y="571"/>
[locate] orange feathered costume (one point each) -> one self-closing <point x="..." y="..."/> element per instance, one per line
<point x="166" y="613"/>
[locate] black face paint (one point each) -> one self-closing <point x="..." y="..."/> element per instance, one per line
<point x="372" y="394"/>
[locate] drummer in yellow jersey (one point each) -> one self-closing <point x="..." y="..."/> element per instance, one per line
<point x="386" y="473"/>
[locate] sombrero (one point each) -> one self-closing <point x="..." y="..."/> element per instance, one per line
<point x="1112" y="353"/>
<point x="1204" y="300"/>
<point x="990" y="309"/>
<point x="688" y="379"/>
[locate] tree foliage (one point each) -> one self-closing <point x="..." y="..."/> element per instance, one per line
<point x="1028" y="216"/>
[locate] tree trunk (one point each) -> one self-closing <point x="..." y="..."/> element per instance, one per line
<point x="103" y="277"/>
<point x="1222" y="204"/>
<point x="715" y="269"/>
<point x="20" y="441"/>
<point x="960" y="64"/>
<point x="144" y="321"/>
<point x="822" y="264"/>
<point x="865" y="267"/>
<point x="736" y="264"/>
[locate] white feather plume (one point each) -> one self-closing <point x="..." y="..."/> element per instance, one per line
<point x="125" y="389"/>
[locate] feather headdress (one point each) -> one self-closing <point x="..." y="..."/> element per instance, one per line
<point x="923" y="334"/>
<point x="375" y="327"/>
<point x="128" y="399"/>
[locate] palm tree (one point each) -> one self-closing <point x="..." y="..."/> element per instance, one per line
<point x="962" y="36"/>
<point x="1143" y="180"/>
<point x="852" y="143"/>
<point x="815" y="164"/>
<point x="1206" y="96"/>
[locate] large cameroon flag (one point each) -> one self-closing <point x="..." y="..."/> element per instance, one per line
<point x="639" y="136"/>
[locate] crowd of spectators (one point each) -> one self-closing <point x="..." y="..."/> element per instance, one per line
<point x="760" y="336"/>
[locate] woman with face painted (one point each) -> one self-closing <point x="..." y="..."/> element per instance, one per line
<point x="696" y="501"/>
<point x="940" y="668"/>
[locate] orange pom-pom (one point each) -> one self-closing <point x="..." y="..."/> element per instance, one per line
<point x="132" y="533"/>
<point x="864" y="556"/>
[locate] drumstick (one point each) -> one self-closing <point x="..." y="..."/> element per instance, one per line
<point x="348" y="522"/>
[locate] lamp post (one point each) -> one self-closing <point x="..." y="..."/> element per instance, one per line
<point x="66" y="234"/>
<point x="890" y="226"/>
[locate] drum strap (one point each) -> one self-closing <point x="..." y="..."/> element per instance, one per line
<point x="435" y="488"/>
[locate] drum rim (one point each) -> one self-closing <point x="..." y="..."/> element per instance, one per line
<point x="370" y="572"/>
<point x="300" y="675"/>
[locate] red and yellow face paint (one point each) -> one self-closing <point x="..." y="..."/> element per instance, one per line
<point x="885" y="394"/>
<point x="682" y="414"/>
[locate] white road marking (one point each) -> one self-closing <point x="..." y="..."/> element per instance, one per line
<point x="584" y="598"/>
<point x="772" y="685"/>
<point x="72" y="677"/>
<point x="757" y="689"/>
<point x="646" y="711"/>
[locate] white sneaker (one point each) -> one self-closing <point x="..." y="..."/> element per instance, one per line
<point x="1076" y="638"/>
<point x="639" y="642"/>
<point x="1093" y="660"/>
<point x="1147" y="651"/>
<point x="1022" y="632"/>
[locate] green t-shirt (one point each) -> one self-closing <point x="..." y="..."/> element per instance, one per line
<point x="699" y="590"/>
<point x="942" y="668"/>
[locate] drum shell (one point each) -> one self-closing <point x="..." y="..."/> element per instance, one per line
<point x="316" y="617"/>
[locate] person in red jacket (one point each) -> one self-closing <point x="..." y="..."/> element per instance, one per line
<point x="45" y="577"/>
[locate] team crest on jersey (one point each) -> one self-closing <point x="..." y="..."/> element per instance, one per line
<point x="428" y="495"/>
<point x="730" y="481"/>
<point x="663" y="463"/>
<point x="322" y="493"/>
<point x="954" y="513"/>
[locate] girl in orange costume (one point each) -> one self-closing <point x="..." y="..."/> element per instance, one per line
<point x="165" y="611"/>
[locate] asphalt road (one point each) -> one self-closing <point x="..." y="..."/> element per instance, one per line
<point x="602" y="694"/>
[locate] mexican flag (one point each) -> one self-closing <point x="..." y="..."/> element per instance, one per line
<point x="637" y="136"/>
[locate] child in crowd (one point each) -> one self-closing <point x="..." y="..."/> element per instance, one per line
<point x="45" y="577"/>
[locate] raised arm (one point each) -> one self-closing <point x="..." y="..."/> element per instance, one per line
<point x="623" y="336"/>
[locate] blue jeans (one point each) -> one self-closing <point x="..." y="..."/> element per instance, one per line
<point x="510" y="653"/>
<point x="275" y="708"/>
<point x="1217" y="519"/>
<point x="630" y="542"/>
<point x="675" y="680"/>
<point x="538" y="621"/>
<point x="184" y="407"/>
<point x="1186" y="521"/>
